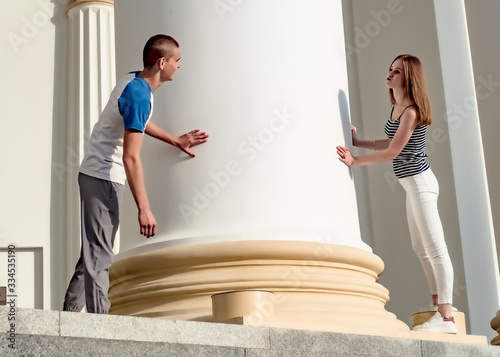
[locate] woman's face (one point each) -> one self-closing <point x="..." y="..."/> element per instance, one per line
<point x="395" y="78"/>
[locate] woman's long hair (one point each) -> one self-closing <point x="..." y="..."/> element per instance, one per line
<point x="416" y="91"/>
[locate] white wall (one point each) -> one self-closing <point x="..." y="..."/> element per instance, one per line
<point x="380" y="30"/>
<point x="32" y="192"/>
<point x="36" y="160"/>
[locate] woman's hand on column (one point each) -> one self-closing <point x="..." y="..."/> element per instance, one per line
<point x="354" y="134"/>
<point x="345" y="155"/>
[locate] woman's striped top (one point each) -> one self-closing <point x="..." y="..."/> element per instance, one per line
<point x="412" y="160"/>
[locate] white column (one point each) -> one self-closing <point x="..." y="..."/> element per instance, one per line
<point x="265" y="205"/>
<point x="476" y="226"/>
<point x="91" y="79"/>
<point x="268" y="82"/>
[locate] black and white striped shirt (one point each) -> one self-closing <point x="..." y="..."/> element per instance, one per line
<point x="412" y="160"/>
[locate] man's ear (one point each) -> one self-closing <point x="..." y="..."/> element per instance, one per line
<point x="161" y="62"/>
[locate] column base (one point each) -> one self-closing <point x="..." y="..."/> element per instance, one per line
<point x="251" y="304"/>
<point x="312" y="286"/>
<point x="495" y="325"/>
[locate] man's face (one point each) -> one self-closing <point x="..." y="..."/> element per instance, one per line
<point x="171" y="65"/>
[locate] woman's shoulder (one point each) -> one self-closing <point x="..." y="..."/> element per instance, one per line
<point x="410" y="116"/>
<point x="409" y="112"/>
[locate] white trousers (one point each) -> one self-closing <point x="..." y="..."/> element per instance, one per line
<point x="427" y="235"/>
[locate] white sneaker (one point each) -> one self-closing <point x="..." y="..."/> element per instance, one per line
<point x="438" y="324"/>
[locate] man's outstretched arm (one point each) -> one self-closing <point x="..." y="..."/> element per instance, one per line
<point x="184" y="142"/>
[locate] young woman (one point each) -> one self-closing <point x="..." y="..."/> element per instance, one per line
<point x="406" y="129"/>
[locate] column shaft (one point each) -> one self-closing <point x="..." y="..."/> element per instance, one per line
<point x="268" y="82"/>
<point x="265" y="205"/>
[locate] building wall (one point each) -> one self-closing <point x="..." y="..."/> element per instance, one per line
<point x="33" y="153"/>
<point x="36" y="159"/>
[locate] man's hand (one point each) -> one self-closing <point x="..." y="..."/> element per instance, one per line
<point x="184" y="142"/>
<point x="147" y="223"/>
<point x="191" y="139"/>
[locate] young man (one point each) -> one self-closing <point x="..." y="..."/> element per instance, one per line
<point x="113" y="156"/>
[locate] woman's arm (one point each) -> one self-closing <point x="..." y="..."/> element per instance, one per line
<point x="408" y="123"/>
<point x="368" y="144"/>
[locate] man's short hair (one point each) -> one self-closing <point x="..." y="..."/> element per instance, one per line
<point x="158" y="46"/>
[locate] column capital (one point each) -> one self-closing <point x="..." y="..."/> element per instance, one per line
<point x="74" y="3"/>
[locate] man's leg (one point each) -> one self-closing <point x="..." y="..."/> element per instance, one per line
<point x="101" y="201"/>
<point x="74" y="300"/>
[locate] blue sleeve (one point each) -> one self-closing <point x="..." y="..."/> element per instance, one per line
<point x="135" y="106"/>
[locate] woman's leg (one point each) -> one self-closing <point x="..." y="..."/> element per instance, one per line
<point x="418" y="246"/>
<point x="422" y="191"/>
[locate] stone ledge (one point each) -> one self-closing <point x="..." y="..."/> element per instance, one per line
<point x="53" y="333"/>
<point x="413" y="335"/>
<point x="143" y="329"/>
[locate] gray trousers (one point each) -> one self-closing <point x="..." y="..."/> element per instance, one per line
<point x="100" y="213"/>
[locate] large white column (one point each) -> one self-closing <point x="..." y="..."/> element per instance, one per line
<point x="265" y="205"/>
<point x="91" y="79"/>
<point x="268" y="82"/>
<point x="476" y="226"/>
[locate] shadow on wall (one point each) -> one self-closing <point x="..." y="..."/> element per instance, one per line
<point x="64" y="163"/>
<point x="344" y="118"/>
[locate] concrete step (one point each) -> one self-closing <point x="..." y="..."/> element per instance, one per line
<point x="53" y="333"/>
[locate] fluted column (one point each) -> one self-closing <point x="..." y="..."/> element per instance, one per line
<point x="91" y="79"/>
<point x="265" y="204"/>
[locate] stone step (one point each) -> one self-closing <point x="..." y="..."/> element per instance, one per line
<point x="54" y="333"/>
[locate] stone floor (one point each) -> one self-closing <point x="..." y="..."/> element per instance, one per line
<point x="54" y="333"/>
